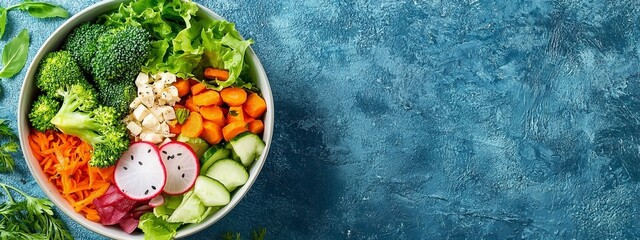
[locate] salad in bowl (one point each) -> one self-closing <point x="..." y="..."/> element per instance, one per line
<point x="146" y="119"/>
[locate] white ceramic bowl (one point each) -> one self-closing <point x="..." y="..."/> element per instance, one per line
<point x="29" y="90"/>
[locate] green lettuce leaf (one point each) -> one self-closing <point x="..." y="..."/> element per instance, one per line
<point x="184" y="43"/>
<point x="170" y="204"/>
<point x="157" y="228"/>
<point x="223" y="49"/>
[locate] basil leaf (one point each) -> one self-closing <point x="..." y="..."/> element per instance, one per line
<point x="3" y="20"/>
<point x="14" y="55"/>
<point x="43" y="10"/>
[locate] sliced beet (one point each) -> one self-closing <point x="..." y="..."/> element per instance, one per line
<point x="129" y="224"/>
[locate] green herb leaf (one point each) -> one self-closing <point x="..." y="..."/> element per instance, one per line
<point x="14" y="55"/>
<point x="6" y="160"/>
<point x="10" y="146"/>
<point x="5" y="130"/>
<point x="42" y="9"/>
<point x="233" y="113"/>
<point x="31" y="218"/>
<point x="256" y="234"/>
<point x="259" y="234"/>
<point x="3" y="21"/>
<point x="182" y="114"/>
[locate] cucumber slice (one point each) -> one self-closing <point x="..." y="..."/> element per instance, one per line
<point x="228" y="172"/>
<point x="198" y="145"/>
<point x="216" y="152"/>
<point x="190" y="210"/>
<point x="206" y="165"/>
<point x="211" y="192"/>
<point x="248" y="147"/>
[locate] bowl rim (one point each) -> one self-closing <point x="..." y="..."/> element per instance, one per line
<point x="27" y="96"/>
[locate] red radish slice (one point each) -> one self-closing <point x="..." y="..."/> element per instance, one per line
<point x="156" y="201"/>
<point x="182" y="167"/>
<point x="140" y="174"/>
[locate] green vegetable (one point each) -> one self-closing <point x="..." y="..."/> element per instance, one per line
<point x="183" y="43"/>
<point x="8" y="147"/>
<point x="256" y="234"/>
<point x="121" y="52"/>
<point x="41" y="9"/>
<point x="191" y="210"/>
<point x="42" y="111"/>
<point x="3" y="20"/>
<point x="157" y="228"/>
<point x="118" y="95"/>
<point x="223" y="49"/>
<point x="58" y="70"/>
<point x="170" y="204"/>
<point x="198" y="145"/>
<point x="36" y="9"/>
<point x="100" y="126"/>
<point x="14" y="55"/>
<point x="182" y="114"/>
<point x="82" y="44"/>
<point x="31" y="218"/>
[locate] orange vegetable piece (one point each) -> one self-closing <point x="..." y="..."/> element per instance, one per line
<point x="212" y="133"/>
<point x="198" y="88"/>
<point x="183" y="87"/>
<point x="189" y="104"/>
<point x="255" y="106"/>
<point x="207" y="98"/>
<point x="233" y="129"/>
<point x="174" y="127"/>
<point x="64" y="160"/>
<point x="193" y="127"/>
<point x="214" y="114"/>
<point x="235" y="114"/>
<point x="256" y="126"/>
<point x="233" y="96"/>
<point x="216" y="74"/>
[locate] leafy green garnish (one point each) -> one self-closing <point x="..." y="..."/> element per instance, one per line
<point x="35" y="9"/>
<point x="31" y="218"/>
<point x="3" y="20"/>
<point x="157" y="228"/>
<point x="6" y="160"/>
<point x="14" y="55"/>
<point x="256" y="234"/>
<point x="8" y="147"/>
<point x="182" y="114"/>
<point x="41" y="9"/>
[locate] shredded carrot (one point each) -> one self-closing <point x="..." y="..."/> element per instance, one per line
<point x="64" y="160"/>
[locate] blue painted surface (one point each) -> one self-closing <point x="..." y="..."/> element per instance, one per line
<point x="434" y="119"/>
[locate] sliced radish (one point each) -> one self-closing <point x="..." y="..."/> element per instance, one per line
<point x="140" y="174"/>
<point x="182" y="167"/>
<point x="156" y="201"/>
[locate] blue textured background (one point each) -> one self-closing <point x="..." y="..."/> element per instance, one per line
<point x="434" y="119"/>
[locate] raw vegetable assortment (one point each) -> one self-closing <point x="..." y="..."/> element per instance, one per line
<point x="146" y="118"/>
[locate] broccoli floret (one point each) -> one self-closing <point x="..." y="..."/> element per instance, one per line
<point x="42" y="111"/>
<point x="82" y="43"/>
<point x="57" y="70"/>
<point x="81" y="116"/>
<point x="118" y="95"/>
<point x="120" y="55"/>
